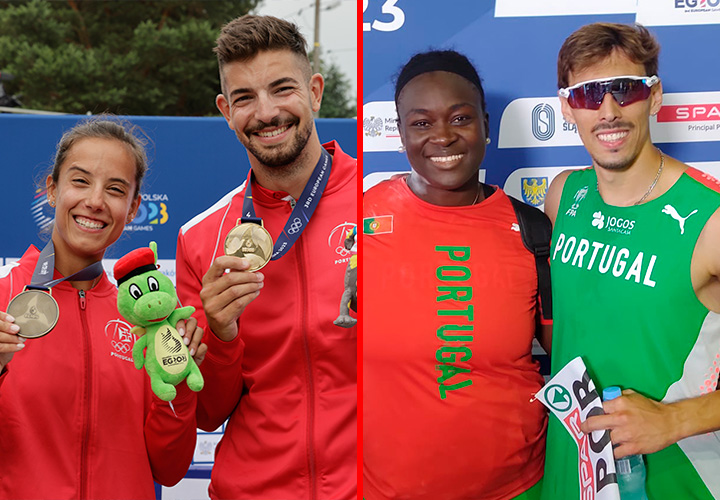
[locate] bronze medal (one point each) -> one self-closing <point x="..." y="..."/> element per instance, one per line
<point x="35" y="311"/>
<point x="250" y="241"/>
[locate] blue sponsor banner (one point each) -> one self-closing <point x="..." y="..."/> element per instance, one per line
<point x="514" y="45"/>
<point x="193" y="162"/>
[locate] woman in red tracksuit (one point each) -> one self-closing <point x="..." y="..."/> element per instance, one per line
<point x="77" y="420"/>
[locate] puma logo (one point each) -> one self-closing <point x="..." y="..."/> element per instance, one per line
<point x="670" y="210"/>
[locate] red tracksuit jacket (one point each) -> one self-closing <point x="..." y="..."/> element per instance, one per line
<point x="288" y="381"/>
<point x="77" y="419"/>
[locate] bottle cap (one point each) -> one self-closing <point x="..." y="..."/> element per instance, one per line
<point x="611" y="393"/>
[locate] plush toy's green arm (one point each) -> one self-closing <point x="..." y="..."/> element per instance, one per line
<point x="138" y="352"/>
<point x="178" y="314"/>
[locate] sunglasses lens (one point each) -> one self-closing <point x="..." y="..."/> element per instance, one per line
<point x="577" y="99"/>
<point x="588" y="96"/>
<point x="625" y="91"/>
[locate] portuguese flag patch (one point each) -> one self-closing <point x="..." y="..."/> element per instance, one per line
<point x="381" y="224"/>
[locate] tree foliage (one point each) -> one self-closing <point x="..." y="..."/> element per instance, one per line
<point x="133" y="57"/>
<point x="129" y="57"/>
<point x="337" y="99"/>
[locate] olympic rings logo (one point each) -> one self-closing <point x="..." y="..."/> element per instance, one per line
<point x="295" y="226"/>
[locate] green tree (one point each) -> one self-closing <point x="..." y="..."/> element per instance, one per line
<point x="143" y="57"/>
<point x="337" y="99"/>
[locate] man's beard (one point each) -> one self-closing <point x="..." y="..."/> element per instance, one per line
<point x="620" y="163"/>
<point x="618" y="166"/>
<point x="284" y="154"/>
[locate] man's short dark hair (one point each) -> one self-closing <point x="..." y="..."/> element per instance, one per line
<point x="243" y="38"/>
<point x="595" y="42"/>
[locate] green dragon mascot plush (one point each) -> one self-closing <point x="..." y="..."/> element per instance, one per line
<point x="147" y="299"/>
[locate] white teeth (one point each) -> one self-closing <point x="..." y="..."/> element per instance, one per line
<point x="88" y="223"/>
<point x="616" y="136"/>
<point x="273" y="133"/>
<point x="445" y="159"/>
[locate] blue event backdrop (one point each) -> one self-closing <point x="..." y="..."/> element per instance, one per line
<point x="514" y="45"/>
<point x="193" y="162"/>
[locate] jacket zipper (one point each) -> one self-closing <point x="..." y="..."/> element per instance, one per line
<point x="308" y="366"/>
<point x="87" y="344"/>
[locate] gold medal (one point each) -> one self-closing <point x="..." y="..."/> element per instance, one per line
<point x="35" y="312"/>
<point x="250" y="241"/>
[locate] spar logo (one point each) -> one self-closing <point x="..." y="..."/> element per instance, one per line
<point x="543" y="121"/>
<point x="612" y="224"/>
<point x="572" y="398"/>
<point x="704" y="112"/>
<point x="558" y="398"/>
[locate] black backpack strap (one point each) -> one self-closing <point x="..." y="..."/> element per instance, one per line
<point x="536" y="231"/>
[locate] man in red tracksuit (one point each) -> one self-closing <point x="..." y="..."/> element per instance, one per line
<point x="277" y="366"/>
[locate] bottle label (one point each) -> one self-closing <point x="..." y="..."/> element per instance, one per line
<point x="623" y="466"/>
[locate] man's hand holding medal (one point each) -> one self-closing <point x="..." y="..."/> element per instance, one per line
<point x="228" y="287"/>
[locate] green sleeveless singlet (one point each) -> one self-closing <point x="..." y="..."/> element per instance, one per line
<point x="624" y="301"/>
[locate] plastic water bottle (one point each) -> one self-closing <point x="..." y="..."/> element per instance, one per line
<point x="631" y="469"/>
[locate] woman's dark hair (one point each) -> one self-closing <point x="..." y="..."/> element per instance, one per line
<point x="439" y="60"/>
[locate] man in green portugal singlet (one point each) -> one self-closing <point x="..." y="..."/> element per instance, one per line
<point x="635" y="266"/>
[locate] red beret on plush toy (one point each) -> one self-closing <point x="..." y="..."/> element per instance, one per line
<point x="136" y="262"/>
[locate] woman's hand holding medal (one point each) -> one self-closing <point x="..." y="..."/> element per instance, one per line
<point x="228" y="288"/>
<point x="10" y="342"/>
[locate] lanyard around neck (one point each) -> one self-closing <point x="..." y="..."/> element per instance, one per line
<point x="304" y="207"/>
<point x="45" y="267"/>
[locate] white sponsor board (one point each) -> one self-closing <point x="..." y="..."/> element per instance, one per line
<point x="380" y="130"/>
<point x="687" y="117"/>
<point x="376" y="177"/>
<point x="516" y="183"/>
<point x="525" y="8"/>
<point x="572" y="397"/>
<point x="536" y="122"/>
<point x="677" y="12"/>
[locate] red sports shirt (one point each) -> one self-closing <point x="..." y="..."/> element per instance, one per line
<point x="449" y="317"/>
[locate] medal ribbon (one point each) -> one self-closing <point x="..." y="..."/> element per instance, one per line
<point x="304" y="208"/>
<point x="45" y="267"/>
